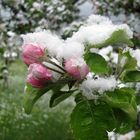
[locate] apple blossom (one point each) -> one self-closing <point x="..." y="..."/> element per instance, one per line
<point x="34" y="81"/>
<point x="38" y="75"/>
<point x="32" y="53"/>
<point x="77" y="68"/>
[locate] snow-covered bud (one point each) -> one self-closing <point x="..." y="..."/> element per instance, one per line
<point x="38" y="75"/>
<point x="32" y="53"/>
<point x="35" y="82"/>
<point x="77" y="68"/>
<point x="40" y="72"/>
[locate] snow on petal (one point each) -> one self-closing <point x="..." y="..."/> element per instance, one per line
<point x="50" y="41"/>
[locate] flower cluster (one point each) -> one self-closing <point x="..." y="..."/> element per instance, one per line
<point x="53" y="58"/>
<point x="42" y="68"/>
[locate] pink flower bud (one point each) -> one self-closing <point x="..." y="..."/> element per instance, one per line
<point x="35" y="82"/>
<point x="38" y="75"/>
<point x="77" y="68"/>
<point x="32" y="53"/>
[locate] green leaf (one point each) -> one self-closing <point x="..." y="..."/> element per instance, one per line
<point x="117" y="38"/>
<point x="131" y="76"/>
<point x="31" y="96"/>
<point x="1" y="76"/>
<point x="79" y="98"/>
<point x="123" y="99"/>
<point x="131" y="62"/>
<point x="3" y="68"/>
<point x="124" y="123"/>
<point x="96" y="63"/>
<point x="91" y="122"/>
<point x="1" y="50"/>
<point x="136" y="40"/>
<point x="59" y="96"/>
<point x="138" y="98"/>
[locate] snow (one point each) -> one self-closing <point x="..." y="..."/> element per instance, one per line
<point x="136" y="55"/>
<point x="114" y="136"/>
<point x="98" y="33"/>
<point x="127" y="136"/>
<point x="97" y="19"/>
<point x="114" y="57"/>
<point x="138" y="86"/>
<point x="111" y="135"/>
<point x="95" y="31"/>
<point x="78" y="62"/>
<point x="46" y="39"/>
<point x="138" y="108"/>
<point x="55" y="46"/>
<point x="72" y="49"/>
<point x="37" y="5"/>
<point x="85" y="9"/>
<point x="99" y="85"/>
<point x="107" y="53"/>
<point x="11" y="34"/>
<point x="123" y="61"/>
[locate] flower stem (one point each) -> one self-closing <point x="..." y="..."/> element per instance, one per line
<point x="57" y="65"/>
<point x="53" y="63"/>
<point x="52" y="69"/>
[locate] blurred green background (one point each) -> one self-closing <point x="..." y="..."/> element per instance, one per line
<point x="42" y="124"/>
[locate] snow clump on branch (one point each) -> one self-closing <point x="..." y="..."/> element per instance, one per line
<point x="91" y="32"/>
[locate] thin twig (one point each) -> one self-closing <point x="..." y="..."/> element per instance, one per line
<point x="57" y="65"/>
<point x="53" y="69"/>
